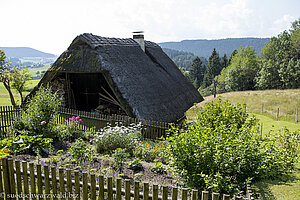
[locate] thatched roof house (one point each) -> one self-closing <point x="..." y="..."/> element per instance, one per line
<point x="122" y="76"/>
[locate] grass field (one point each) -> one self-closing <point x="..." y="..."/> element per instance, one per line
<point x="4" y="97"/>
<point x="288" y="187"/>
<point x="286" y="100"/>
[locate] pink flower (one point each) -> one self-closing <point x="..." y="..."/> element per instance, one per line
<point x="80" y="120"/>
<point x="76" y="122"/>
<point x="66" y="120"/>
<point x="43" y="122"/>
<point x="77" y="118"/>
<point x="73" y="118"/>
<point x="70" y="119"/>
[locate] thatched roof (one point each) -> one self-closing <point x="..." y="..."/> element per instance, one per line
<point x="149" y="83"/>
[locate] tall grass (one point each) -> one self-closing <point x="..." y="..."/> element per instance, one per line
<point x="286" y="100"/>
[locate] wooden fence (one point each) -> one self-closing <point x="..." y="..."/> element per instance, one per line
<point x="277" y="113"/>
<point x="45" y="182"/>
<point x="90" y="121"/>
<point x="8" y="115"/>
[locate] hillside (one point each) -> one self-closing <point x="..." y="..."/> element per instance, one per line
<point x="264" y="102"/>
<point x="21" y="52"/>
<point x="182" y="58"/>
<point x="203" y="48"/>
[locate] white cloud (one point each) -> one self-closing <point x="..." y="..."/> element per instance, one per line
<point x="283" y="23"/>
<point x="51" y="25"/>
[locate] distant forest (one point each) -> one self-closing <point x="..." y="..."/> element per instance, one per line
<point x="181" y="58"/>
<point x="274" y="65"/>
<point x="203" y="48"/>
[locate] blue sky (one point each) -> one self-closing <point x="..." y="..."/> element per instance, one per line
<point x="51" y="25"/>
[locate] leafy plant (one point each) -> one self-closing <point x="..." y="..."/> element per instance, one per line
<point x="27" y="144"/>
<point x="135" y="164"/>
<point x="158" y="167"/>
<point x="80" y="152"/>
<point x="111" y="138"/>
<point x="222" y="150"/>
<point x="148" y="150"/>
<point x="38" y="118"/>
<point x="70" y="129"/>
<point x="120" y="156"/>
<point x="3" y="153"/>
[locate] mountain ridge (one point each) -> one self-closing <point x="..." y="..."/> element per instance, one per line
<point x="204" y="47"/>
<point x="21" y="52"/>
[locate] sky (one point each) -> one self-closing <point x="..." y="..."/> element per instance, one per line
<point x="51" y="25"/>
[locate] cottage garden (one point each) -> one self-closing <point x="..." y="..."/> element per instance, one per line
<point x="221" y="151"/>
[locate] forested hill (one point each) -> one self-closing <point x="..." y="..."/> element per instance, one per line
<point x="21" y="52"/>
<point x="203" y="48"/>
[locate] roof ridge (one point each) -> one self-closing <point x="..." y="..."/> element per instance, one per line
<point x="95" y="41"/>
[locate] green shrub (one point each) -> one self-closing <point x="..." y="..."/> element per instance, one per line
<point x="149" y="150"/>
<point x="222" y="150"/>
<point x="69" y="130"/>
<point x="111" y="138"/>
<point x="279" y="153"/>
<point x="80" y="152"/>
<point x="158" y="167"/>
<point x="27" y="144"/>
<point x="135" y="164"/>
<point x="120" y="156"/>
<point x="38" y="118"/>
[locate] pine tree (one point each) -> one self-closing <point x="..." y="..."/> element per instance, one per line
<point x="213" y="69"/>
<point x="224" y="62"/>
<point x="197" y="72"/>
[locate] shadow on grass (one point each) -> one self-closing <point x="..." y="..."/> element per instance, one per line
<point x="262" y="189"/>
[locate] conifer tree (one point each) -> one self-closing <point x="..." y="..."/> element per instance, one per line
<point x="197" y="72"/>
<point x="213" y="69"/>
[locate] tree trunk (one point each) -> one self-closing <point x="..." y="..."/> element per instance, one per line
<point x="21" y="95"/>
<point x="12" y="99"/>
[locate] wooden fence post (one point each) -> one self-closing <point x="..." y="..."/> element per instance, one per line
<point x="277" y="117"/>
<point x="6" y="180"/>
<point x="205" y="195"/>
<point x="32" y="180"/>
<point x="215" y="196"/>
<point x="297" y="114"/>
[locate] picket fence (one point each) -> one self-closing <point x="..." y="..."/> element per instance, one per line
<point x="90" y="121"/>
<point x="46" y="182"/>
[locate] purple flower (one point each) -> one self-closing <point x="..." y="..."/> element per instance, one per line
<point x="50" y="122"/>
<point x="43" y="122"/>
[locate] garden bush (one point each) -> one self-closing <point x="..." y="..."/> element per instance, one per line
<point x="21" y="144"/>
<point x="41" y="112"/>
<point x="111" y="138"/>
<point x="222" y="150"/>
<point x="120" y="156"/>
<point x="149" y="150"/>
<point x="80" y="152"/>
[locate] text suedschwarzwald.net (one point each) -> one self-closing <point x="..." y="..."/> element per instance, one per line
<point x="59" y="195"/>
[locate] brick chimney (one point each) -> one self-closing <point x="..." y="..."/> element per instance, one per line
<point x="138" y="36"/>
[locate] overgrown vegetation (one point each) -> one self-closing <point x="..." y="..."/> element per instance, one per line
<point x="112" y="137"/>
<point x="222" y="150"/>
<point x="41" y="112"/>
